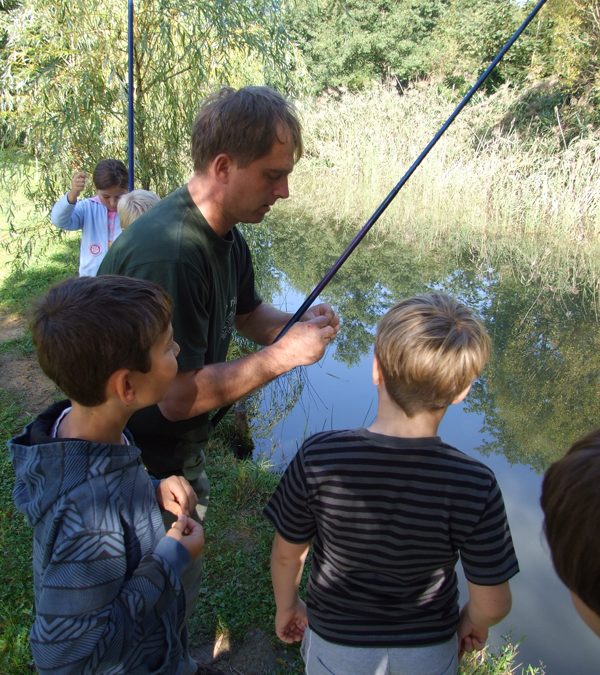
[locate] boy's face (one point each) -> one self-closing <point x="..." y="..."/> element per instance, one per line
<point x="588" y="615"/>
<point x="152" y="386"/>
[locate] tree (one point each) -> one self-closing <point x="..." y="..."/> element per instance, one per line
<point x="469" y="36"/>
<point x="64" y="74"/>
<point x="350" y="43"/>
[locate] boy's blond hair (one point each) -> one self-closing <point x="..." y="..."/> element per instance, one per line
<point x="132" y="204"/>
<point x="430" y="348"/>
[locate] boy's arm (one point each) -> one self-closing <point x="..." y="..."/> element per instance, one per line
<point x="287" y="563"/>
<point x="93" y="613"/>
<point x="487" y="605"/>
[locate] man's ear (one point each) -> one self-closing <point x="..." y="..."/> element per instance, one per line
<point x="120" y="384"/>
<point x="221" y="166"/>
<point x="462" y="395"/>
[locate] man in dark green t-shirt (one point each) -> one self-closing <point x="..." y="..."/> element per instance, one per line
<point x="244" y="146"/>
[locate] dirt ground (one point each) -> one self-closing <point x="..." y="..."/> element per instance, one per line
<point x="22" y="377"/>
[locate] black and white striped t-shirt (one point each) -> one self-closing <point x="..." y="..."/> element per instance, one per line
<point x="389" y="518"/>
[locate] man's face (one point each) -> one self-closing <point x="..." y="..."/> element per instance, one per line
<point x="253" y="189"/>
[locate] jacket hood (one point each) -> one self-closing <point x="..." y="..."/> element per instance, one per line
<point x="47" y="468"/>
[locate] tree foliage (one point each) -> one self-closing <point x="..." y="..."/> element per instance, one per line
<point x="350" y="43"/>
<point x="64" y="75"/>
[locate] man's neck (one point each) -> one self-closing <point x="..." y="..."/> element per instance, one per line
<point x="99" y="424"/>
<point x="206" y="198"/>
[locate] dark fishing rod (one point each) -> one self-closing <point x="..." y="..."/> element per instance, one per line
<point x="130" y="100"/>
<point x="218" y="416"/>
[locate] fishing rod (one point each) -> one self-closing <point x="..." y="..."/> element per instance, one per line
<point x="130" y="101"/>
<point x="218" y="416"/>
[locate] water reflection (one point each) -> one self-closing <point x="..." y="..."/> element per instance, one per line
<point x="537" y="395"/>
<point x="541" y="387"/>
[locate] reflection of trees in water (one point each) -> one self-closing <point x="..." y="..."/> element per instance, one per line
<point x="542" y="386"/>
<point x="276" y="400"/>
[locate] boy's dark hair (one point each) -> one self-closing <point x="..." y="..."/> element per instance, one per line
<point x="86" y="328"/>
<point x="571" y="503"/>
<point x="429" y="349"/>
<point x="243" y="124"/>
<point x="110" y="173"/>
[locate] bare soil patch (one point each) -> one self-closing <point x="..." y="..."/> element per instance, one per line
<point x="12" y="327"/>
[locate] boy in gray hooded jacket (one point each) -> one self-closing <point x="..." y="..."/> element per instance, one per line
<point x="107" y="579"/>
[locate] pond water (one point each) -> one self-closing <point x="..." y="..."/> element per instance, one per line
<point x="538" y="394"/>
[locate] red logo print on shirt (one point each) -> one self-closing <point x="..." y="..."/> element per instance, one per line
<point x="95" y="249"/>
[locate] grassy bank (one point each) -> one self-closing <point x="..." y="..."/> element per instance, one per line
<point x="523" y="197"/>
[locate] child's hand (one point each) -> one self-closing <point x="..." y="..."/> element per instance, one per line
<point x="176" y="495"/>
<point x="77" y="186"/>
<point x="470" y="637"/>
<point x="290" y="624"/>
<point x="189" y="534"/>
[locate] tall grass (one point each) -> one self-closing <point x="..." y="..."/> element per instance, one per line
<point x="485" y="186"/>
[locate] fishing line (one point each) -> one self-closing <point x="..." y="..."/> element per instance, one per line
<point x="218" y="416"/>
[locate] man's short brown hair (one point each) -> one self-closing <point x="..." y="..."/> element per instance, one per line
<point x="430" y="348"/>
<point x="86" y="328"/>
<point x="243" y="124"/>
<point x="571" y="503"/>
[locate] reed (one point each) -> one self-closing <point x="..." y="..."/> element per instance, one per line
<point x="511" y="198"/>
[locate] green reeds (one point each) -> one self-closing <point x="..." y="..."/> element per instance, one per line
<point x="513" y="198"/>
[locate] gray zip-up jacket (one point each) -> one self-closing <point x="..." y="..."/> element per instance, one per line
<point x="108" y="597"/>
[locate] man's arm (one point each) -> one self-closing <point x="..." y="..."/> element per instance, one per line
<point x="487" y="605"/>
<point x="287" y="563"/>
<point x="195" y="392"/>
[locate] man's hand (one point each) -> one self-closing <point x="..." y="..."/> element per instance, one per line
<point x="176" y="495"/>
<point x="77" y="186"/>
<point x="304" y="343"/>
<point x="189" y="534"/>
<point x="290" y="624"/>
<point x="323" y="310"/>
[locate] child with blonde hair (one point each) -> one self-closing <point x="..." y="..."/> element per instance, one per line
<point x="390" y="509"/>
<point x="133" y="204"/>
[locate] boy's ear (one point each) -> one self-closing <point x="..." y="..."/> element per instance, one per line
<point x="462" y="395"/>
<point x="120" y="385"/>
<point x="376" y="372"/>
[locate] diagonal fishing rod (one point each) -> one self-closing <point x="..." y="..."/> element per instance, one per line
<point x="218" y="416"/>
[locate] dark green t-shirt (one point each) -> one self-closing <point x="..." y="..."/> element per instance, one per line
<point x="210" y="280"/>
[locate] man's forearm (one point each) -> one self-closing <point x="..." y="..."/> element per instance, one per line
<point x="262" y="325"/>
<point x="216" y="385"/>
<point x="220" y="384"/>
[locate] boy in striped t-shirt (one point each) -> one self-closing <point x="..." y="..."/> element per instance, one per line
<point x="390" y="509"/>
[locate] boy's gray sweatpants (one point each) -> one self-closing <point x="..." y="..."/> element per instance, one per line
<point x="326" y="658"/>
